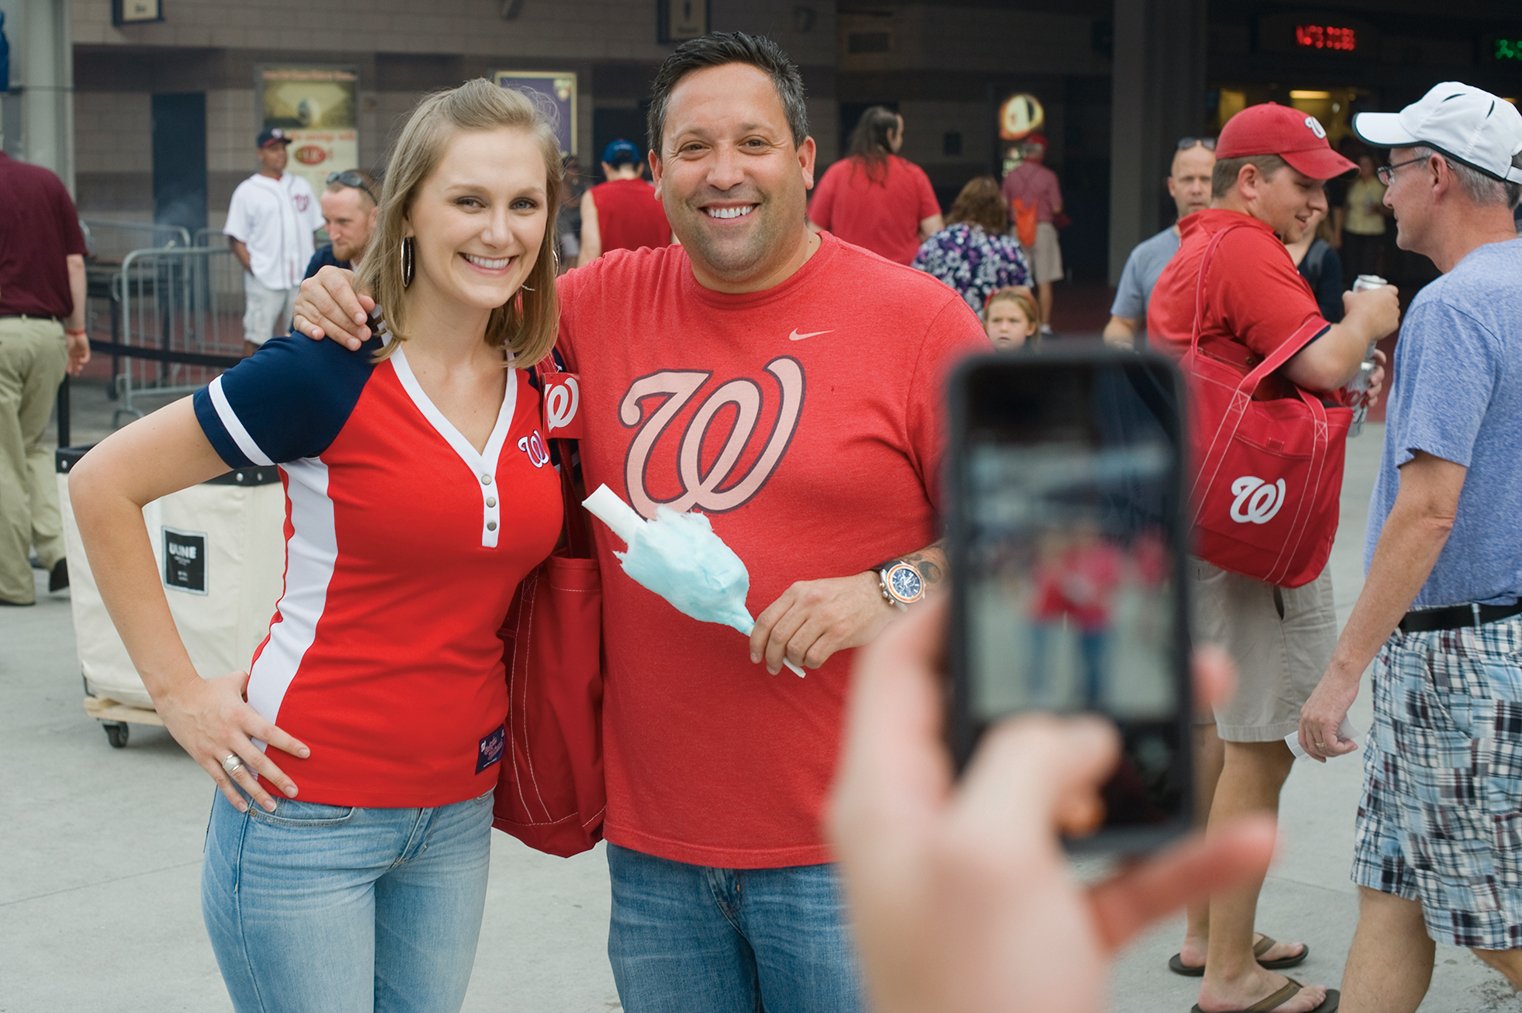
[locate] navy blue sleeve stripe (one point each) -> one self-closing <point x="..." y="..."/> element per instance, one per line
<point x="287" y="401"/>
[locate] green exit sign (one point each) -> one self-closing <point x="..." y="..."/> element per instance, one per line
<point x="1508" y="50"/>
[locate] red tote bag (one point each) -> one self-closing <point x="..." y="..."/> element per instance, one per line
<point x="1265" y="496"/>
<point x="550" y="792"/>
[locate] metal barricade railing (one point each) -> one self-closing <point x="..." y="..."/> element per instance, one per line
<point x="111" y="241"/>
<point x="181" y="324"/>
<point x="108" y="243"/>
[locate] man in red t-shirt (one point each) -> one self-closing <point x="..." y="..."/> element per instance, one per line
<point x="1271" y="165"/>
<point x="623" y="213"/>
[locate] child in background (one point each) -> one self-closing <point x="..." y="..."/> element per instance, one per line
<point x="1010" y="318"/>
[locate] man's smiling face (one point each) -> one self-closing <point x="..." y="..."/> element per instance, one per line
<point x="733" y="182"/>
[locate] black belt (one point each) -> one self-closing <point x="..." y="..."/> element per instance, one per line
<point x="30" y="316"/>
<point x="1456" y="617"/>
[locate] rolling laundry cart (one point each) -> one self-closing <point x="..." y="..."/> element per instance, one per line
<point x="220" y="547"/>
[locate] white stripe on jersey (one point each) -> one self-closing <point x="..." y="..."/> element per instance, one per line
<point x="483" y="464"/>
<point x="311" y="554"/>
<point x="234" y="427"/>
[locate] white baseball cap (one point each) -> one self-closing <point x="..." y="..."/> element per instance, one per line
<point x="1465" y="123"/>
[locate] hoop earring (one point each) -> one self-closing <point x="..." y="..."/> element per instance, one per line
<point x="406" y="261"/>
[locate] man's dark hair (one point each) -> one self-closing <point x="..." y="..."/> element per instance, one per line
<point x="716" y="50"/>
<point x="1224" y="176"/>
<point x="869" y="148"/>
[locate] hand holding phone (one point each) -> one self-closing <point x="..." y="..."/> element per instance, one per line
<point x="1067" y="547"/>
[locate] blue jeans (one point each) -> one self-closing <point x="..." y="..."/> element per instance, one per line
<point x="332" y="909"/>
<point x="694" y="939"/>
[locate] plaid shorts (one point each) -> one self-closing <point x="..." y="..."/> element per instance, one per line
<point x="1440" y="820"/>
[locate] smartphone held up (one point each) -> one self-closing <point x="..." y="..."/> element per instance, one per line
<point x="1067" y="546"/>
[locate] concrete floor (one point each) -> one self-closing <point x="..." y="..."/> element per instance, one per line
<point x="99" y="863"/>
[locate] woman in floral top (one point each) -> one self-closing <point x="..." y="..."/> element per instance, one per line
<point x="973" y="254"/>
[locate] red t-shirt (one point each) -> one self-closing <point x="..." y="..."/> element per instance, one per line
<point x="805" y="421"/>
<point x="38" y="229"/>
<point x="629" y="216"/>
<point x="882" y="215"/>
<point x="1253" y="298"/>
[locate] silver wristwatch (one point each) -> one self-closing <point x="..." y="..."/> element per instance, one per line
<point x="901" y="583"/>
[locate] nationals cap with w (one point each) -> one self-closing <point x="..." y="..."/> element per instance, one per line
<point x="1295" y="136"/>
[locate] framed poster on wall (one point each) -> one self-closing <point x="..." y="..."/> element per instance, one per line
<point x="136" y="12"/>
<point x="555" y="91"/>
<point x="317" y="107"/>
<point x="681" y="20"/>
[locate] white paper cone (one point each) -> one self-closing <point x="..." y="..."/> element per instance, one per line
<point x="619" y="516"/>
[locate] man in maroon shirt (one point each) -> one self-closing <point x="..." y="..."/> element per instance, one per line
<point x="42" y="335"/>
<point x="623" y="213"/>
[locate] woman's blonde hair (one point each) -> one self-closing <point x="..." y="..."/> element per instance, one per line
<point x="526" y="324"/>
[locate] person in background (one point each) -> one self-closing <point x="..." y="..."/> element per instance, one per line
<point x="1360" y="225"/>
<point x="269" y="226"/>
<point x="1189" y="186"/>
<point x="349" y="209"/>
<point x="874" y="198"/>
<point x="622" y="213"/>
<point x="380" y="689"/>
<point x="1436" y="847"/>
<point x="960" y="893"/>
<point x="973" y="253"/>
<point x="568" y="223"/>
<point x="42" y="338"/>
<point x="1320" y="266"/>
<point x="1271" y="164"/>
<point x="1032" y="185"/>
<point x="1010" y="317"/>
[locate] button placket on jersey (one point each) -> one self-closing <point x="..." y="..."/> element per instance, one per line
<point x="491" y="510"/>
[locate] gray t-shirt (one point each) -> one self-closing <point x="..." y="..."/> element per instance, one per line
<point x="1457" y="395"/>
<point x="1140" y="274"/>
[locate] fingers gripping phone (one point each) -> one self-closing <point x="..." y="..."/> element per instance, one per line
<point x="1067" y="539"/>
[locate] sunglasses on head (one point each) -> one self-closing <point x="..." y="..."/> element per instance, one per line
<point x="352" y="179"/>
<point x="1185" y="143"/>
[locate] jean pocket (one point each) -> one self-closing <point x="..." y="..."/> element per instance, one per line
<point x="293" y="813"/>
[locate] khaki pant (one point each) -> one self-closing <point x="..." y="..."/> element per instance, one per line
<point x="33" y="357"/>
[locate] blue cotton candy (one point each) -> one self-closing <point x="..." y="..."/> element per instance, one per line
<point x="678" y="556"/>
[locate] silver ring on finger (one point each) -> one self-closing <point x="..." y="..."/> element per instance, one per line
<point x="232" y="763"/>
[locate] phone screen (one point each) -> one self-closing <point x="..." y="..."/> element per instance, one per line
<point x="1066" y="548"/>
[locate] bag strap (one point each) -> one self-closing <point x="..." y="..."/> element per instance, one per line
<point x="575" y="528"/>
<point x="1285" y="351"/>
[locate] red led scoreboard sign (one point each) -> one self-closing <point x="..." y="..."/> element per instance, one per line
<point x="1342" y="38"/>
<point x="1313" y="34"/>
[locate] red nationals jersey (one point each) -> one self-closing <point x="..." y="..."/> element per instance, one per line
<point x="403" y="547"/>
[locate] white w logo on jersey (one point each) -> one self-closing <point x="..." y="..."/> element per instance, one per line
<point x="1256" y="501"/>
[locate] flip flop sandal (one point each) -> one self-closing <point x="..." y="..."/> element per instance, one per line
<point x="1263" y="945"/>
<point x="1272" y="1002"/>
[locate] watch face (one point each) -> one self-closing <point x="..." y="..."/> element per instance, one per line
<point x="905" y="583"/>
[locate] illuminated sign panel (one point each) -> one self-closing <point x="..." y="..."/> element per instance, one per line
<point x="1326" y="34"/>
<point x="1340" y="38"/>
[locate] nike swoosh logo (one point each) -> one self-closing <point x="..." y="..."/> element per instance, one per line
<point x="795" y="336"/>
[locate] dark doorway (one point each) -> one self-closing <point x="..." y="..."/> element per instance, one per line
<point x="179" y="160"/>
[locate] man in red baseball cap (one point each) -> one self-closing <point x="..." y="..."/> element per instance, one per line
<point x="1245" y="299"/>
